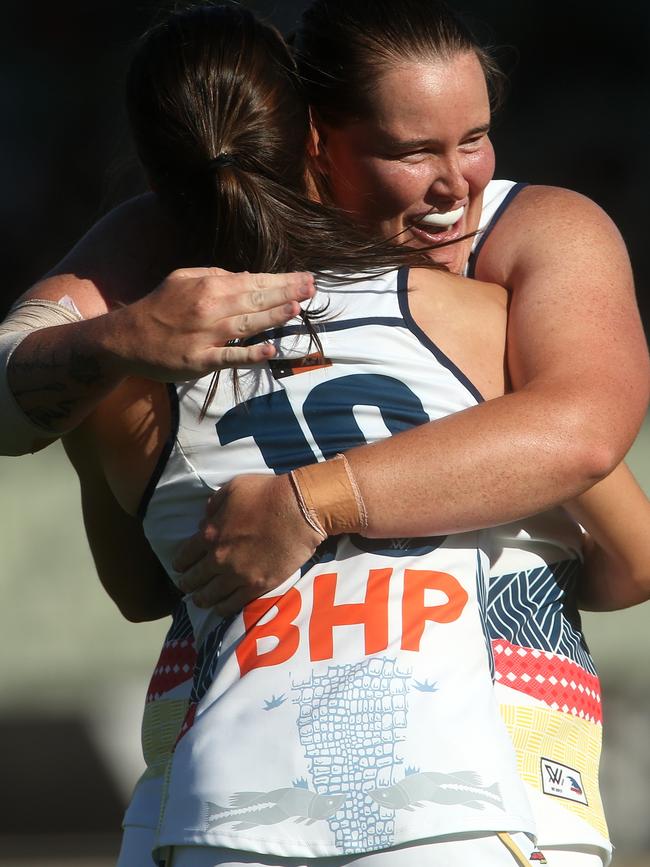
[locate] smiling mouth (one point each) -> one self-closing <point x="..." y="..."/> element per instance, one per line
<point x="439" y="221"/>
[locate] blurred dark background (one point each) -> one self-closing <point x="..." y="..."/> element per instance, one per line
<point x="578" y="113"/>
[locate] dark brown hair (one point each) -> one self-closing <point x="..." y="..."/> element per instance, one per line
<point x="221" y="125"/>
<point x="344" y="46"/>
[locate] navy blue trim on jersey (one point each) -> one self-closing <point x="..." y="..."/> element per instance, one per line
<point x="482" y="598"/>
<point x="166" y="451"/>
<point x="340" y="325"/>
<point x="425" y="340"/>
<point x="473" y="256"/>
<point x="535" y="608"/>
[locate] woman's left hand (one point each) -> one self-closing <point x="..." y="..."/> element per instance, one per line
<point x="253" y="538"/>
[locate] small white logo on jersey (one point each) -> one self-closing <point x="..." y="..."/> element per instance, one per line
<point x="562" y="781"/>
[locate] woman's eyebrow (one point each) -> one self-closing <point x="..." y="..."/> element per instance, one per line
<point x="428" y="140"/>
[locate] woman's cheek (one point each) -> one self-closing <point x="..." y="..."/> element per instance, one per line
<point x="480" y="168"/>
<point x="398" y="186"/>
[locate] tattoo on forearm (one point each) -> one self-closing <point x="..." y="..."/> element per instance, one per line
<point x="51" y="385"/>
<point x="84" y="369"/>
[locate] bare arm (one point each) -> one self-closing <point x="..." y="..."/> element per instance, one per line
<point x="578" y="362"/>
<point x="579" y="366"/>
<point x="129" y="571"/>
<point x="616" y="513"/>
<point x="178" y="331"/>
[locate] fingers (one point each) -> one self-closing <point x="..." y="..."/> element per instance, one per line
<point x="278" y="304"/>
<point x="253" y="293"/>
<point x="234" y="603"/>
<point x="239" y="356"/>
<point x="216" y="590"/>
<point x="289" y="282"/>
<point x="249" y="313"/>
<point x="198" y="575"/>
<point x="216" y="501"/>
<point x="248" y="324"/>
<point x="226" y="596"/>
<point x="190" y="553"/>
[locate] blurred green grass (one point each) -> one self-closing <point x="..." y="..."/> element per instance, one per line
<point x="67" y="650"/>
<point x="60" y="633"/>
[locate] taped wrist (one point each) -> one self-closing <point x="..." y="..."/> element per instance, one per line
<point x="329" y="497"/>
<point x="17" y="431"/>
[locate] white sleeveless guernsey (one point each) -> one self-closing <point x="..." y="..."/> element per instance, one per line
<point x="541" y="553"/>
<point x="546" y="682"/>
<point x="352" y="709"/>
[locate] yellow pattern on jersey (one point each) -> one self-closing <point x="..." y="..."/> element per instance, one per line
<point x="538" y="733"/>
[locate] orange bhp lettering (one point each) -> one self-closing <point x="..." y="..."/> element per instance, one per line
<point x="373" y="613"/>
<point x="280" y="627"/>
<point x="415" y="613"/>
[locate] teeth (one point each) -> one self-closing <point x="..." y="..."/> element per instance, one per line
<point x="443" y="220"/>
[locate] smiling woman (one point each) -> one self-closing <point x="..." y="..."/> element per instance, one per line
<point x="394" y="150"/>
<point x="415" y="166"/>
<point x="574" y="350"/>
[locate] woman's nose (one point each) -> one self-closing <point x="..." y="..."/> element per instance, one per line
<point x="449" y="181"/>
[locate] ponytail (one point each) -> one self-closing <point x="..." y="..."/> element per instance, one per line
<point x="221" y="125"/>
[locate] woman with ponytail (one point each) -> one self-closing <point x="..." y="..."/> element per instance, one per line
<point x="235" y="190"/>
<point x="350" y="716"/>
<point x="346" y="53"/>
<point x="401" y="105"/>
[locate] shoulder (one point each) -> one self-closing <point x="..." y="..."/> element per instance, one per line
<point x="122" y="257"/>
<point x="444" y="289"/>
<point x="544" y="224"/>
<point x="467" y="319"/>
<point x="542" y="205"/>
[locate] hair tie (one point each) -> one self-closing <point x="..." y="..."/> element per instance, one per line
<point x="220" y="161"/>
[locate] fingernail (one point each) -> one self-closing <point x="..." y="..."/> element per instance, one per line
<point x="305" y="291"/>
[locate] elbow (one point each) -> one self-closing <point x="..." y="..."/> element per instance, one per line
<point x="592" y="450"/>
<point x="640" y="581"/>
<point x="596" y="460"/>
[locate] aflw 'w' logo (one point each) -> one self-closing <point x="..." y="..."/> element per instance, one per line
<point x="562" y="781"/>
<point x="554" y="774"/>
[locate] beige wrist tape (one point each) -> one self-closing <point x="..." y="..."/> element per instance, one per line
<point x="329" y="497"/>
<point x="17" y="432"/>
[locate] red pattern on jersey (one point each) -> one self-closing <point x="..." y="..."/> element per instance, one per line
<point x="174" y="667"/>
<point x="188" y="722"/>
<point x="553" y="679"/>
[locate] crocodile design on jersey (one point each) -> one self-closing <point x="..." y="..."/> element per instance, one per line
<point x="350" y="722"/>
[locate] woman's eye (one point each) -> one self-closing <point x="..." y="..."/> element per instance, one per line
<point x="473" y="143"/>
<point x="409" y="156"/>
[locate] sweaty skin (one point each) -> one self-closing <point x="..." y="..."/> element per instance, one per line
<point x="174" y="331"/>
<point x="576" y="350"/>
<point x="486" y="465"/>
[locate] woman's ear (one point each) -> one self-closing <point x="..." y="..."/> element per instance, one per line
<point x="318" y="162"/>
<point x="316" y="142"/>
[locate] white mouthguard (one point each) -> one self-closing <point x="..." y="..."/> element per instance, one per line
<point x="443" y="220"/>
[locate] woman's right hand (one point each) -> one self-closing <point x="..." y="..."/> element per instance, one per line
<point x="179" y="331"/>
<point x="186" y="327"/>
<point x="253" y="538"/>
